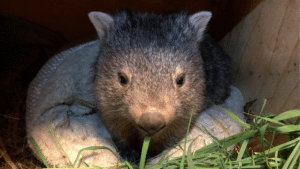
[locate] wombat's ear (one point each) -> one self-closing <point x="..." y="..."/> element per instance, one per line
<point x="101" y="21"/>
<point x="199" y="21"/>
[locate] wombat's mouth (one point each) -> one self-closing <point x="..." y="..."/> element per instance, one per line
<point x="151" y="130"/>
<point x="151" y="122"/>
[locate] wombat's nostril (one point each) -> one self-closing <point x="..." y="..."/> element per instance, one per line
<point x="152" y="122"/>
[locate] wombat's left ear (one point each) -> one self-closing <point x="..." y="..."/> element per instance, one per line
<point x="101" y="21"/>
<point x="199" y="21"/>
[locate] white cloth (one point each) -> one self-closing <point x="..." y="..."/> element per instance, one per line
<point x="52" y="101"/>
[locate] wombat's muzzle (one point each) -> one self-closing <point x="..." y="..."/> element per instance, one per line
<point x="152" y="122"/>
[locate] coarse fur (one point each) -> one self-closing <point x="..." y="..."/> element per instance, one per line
<point x="155" y="70"/>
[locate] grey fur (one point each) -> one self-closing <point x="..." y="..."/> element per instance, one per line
<point x="152" y="51"/>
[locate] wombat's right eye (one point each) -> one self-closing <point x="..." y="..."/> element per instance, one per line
<point x="180" y="80"/>
<point x="123" y="79"/>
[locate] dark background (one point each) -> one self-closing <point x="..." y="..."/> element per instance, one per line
<point x="69" y="17"/>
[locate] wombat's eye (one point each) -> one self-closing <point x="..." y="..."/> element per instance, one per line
<point x="180" y="80"/>
<point x="123" y="79"/>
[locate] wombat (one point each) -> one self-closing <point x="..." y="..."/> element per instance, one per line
<point x="153" y="72"/>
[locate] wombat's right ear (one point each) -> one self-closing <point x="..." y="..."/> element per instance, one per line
<point x="101" y="21"/>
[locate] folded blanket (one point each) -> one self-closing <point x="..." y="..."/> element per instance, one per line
<point x="53" y="102"/>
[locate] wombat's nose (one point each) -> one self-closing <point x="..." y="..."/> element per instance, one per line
<point x="152" y="122"/>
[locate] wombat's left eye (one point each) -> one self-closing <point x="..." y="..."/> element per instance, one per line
<point x="180" y="80"/>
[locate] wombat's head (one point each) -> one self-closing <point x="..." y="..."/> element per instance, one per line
<point x="149" y="75"/>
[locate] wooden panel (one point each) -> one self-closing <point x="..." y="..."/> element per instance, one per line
<point x="265" y="50"/>
<point x="285" y="90"/>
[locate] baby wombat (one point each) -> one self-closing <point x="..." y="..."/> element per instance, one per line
<point x="152" y="73"/>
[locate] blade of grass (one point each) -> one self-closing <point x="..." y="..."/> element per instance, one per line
<point x="190" y="155"/>
<point x="266" y="119"/>
<point x="276" y="155"/>
<point x="215" y="139"/>
<point x="183" y="156"/>
<point x="230" y="164"/>
<point x="128" y="165"/>
<point x="297" y="122"/>
<point x="287" y="115"/>
<point x="253" y="160"/>
<point x="262" y="131"/>
<point x="280" y="147"/>
<point x="294" y="154"/>
<point x="144" y="152"/>
<point x="242" y="149"/>
<point x="237" y="119"/>
<point x="164" y="155"/>
<point x="222" y="165"/>
<point x="263" y="105"/>
<point x="86" y="164"/>
<point x="56" y="139"/>
<point x="92" y="148"/>
<point x="39" y="151"/>
<point x="286" y="129"/>
<point x="296" y="157"/>
<point x="87" y="103"/>
<point x="229" y="141"/>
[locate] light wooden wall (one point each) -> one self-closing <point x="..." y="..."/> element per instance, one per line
<point x="265" y="50"/>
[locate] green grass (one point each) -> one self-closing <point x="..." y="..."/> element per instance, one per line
<point x="216" y="156"/>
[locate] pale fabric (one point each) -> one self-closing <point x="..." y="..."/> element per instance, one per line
<point x="67" y="77"/>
